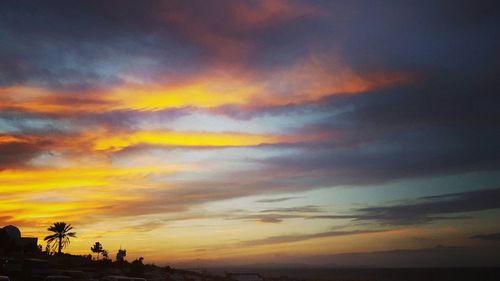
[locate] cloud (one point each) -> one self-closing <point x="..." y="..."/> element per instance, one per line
<point x="118" y="141"/>
<point x="397" y="134"/>
<point x="146" y="226"/>
<point x="454" y="206"/>
<point x="265" y="218"/>
<point x="308" y="80"/>
<point x="275" y="200"/>
<point x="12" y="220"/>
<point x="487" y="237"/>
<point x="243" y="23"/>
<point x="301" y="209"/>
<point x="270" y="219"/>
<point x="303" y="237"/>
<point x="58" y="29"/>
<point x="158" y="36"/>
<point x="16" y="151"/>
<point x="433" y="208"/>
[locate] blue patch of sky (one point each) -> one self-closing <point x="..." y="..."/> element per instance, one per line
<point x="34" y="125"/>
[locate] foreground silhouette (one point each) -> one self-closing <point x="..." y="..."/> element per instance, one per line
<point x="61" y="235"/>
<point x="97" y="248"/>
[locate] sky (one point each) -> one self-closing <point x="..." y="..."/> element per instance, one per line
<point x="209" y="133"/>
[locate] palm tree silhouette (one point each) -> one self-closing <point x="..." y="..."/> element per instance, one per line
<point x="61" y="235"/>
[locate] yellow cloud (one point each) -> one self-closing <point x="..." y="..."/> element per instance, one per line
<point x="202" y="93"/>
<point x="70" y="178"/>
<point x="173" y="138"/>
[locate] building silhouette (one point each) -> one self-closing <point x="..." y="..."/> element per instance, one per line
<point x="11" y="241"/>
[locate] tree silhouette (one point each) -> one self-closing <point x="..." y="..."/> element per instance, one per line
<point x="120" y="256"/>
<point x="105" y="254"/>
<point x="137" y="267"/>
<point x="61" y="235"/>
<point x="97" y="248"/>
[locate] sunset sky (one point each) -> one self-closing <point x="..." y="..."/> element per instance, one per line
<point x="266" y="131"/>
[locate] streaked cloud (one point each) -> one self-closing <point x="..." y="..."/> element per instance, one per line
<point x="487" y="237"/>
<point x="301" y="237"/>
<point x="434" y="207"/>
<point x="274" y="200"/>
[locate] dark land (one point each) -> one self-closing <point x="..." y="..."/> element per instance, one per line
<point x="36" y="269"/>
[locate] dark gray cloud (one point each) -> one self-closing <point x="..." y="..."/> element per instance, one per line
<point x="91" y="44"/>
<point x="409" y="131"/>
<point x="487" y="237"/>
<point x="84" y="45"/>
<point x="15" y="153"/>
<point x="303" y="237"/>
<point x="270" y="219"/>
<point x="429" y="35"/>
<point x="265" y="218"/>
<point x="454" y="206"/>
<point x="275" y="200"/>
<point x="300" y="209"/>
<point x="427" y="209"/>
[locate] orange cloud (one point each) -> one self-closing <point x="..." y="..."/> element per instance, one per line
<point x="41" y="100"/>
<point x="306" y="81"/>
<point x="9" y="139"/>
<point x="319" y="77"/>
